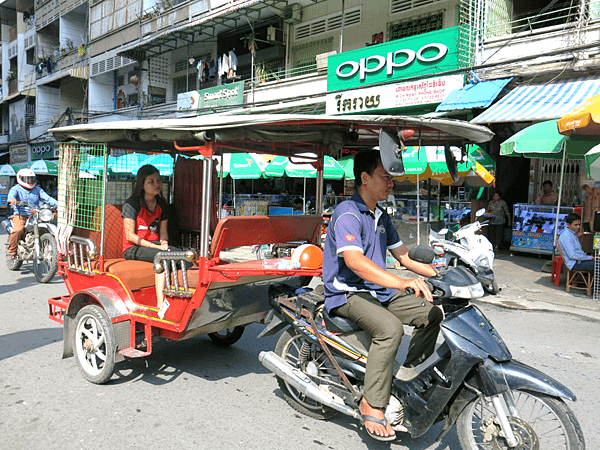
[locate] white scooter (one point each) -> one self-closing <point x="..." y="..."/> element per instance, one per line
<point x="467" y="248"/>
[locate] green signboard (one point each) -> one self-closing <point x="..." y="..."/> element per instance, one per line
<point x="227" y="94"/>
<point x="43" y="150"/>
<point x="424" y="54"/>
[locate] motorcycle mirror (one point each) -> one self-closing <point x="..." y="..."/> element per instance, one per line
<point x="422" y="253"/>
<point x="480" y="212"/>
<point x="451" y="163"/>
<point x="391" y="156"/>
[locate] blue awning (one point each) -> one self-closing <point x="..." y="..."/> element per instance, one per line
<point x="479" y="95"/>
<point x="537" y="102"/>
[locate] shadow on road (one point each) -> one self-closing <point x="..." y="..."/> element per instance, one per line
<point x="198" y="357"/>
<point x="23" y="341"/>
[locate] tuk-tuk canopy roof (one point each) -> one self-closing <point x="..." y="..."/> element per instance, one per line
<point x="283" y="134"/>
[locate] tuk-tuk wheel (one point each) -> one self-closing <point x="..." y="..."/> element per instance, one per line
<point x="94" y="344"/>
<point x="227" y="337"/>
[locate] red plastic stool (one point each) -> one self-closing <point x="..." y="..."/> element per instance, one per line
<point x="556" y="269"/>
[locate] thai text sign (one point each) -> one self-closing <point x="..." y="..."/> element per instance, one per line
<point x="391" y="96"/>
<point x="421" y="55"/>
<point x="228" y="94"/>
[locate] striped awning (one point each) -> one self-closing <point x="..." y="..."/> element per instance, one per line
<point x="536" y="102"/>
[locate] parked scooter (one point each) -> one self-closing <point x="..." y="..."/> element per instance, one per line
<point x="471" y="379"/>
<point x="466" y="247"/>
<point x="38" y="243"/>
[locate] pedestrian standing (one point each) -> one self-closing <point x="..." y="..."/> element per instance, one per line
<point x="499" y="209"/>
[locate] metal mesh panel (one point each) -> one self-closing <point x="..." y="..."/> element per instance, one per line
<point x="415" y="25"/>
<point x="79" y="191"/>
<point x="305" y="54"/>
<point x="551" y="169"/>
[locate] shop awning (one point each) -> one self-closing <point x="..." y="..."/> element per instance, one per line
<point x="535" y="102"/>
<point x="229" y="17"/>
<point x="479" y="95"/>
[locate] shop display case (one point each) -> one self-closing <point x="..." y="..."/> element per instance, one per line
<point x="533" y="227"/>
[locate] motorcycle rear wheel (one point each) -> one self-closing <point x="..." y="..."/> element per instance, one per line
<point x="545" y="423"/>
<point x="290" y="348"/>
<point x="46" y="268"/>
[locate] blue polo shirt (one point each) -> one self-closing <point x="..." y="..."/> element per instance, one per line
<point x="354" y="227"/>
<point x="33" y="196"/>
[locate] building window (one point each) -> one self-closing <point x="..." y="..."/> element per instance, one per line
<point x="415" y="26"/>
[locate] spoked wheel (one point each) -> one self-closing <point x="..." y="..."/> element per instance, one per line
<point x="47" y="266"/>
<point x="94" y="344"/>
<point x="310" y="359"/>
<point x="227" y="337"/>
<point x="543" y="422"/>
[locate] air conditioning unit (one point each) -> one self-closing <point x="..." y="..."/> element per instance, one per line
<point x="292" y="14"/>
<point x="274" y="35"/>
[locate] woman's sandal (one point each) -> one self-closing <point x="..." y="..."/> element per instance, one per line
<point x="366" y="418"/>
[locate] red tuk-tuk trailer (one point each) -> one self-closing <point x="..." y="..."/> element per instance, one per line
<point x="110" y="311"/>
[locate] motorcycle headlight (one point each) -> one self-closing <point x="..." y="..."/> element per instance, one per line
<point x="46" y="215"/>
<point x="471" y="291"/>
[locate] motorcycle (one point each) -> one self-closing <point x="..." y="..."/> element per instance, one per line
<point x="38" y="243"/>
<point x="465" y="247"/>
<point x="470" y="381"/>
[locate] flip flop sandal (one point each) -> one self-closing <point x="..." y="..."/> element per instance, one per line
<point x="366" y="418"/>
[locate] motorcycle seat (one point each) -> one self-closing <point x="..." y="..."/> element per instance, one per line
<point x="338" y="324"/>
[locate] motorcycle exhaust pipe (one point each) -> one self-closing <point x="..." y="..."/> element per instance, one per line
<point x="304" y="384"/>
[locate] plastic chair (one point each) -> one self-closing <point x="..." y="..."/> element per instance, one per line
<point x="556" y="269"/>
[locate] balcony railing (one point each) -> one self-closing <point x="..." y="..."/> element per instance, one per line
<point x="564" y="13"/>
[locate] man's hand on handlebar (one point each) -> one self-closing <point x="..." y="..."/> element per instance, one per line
<point x="420" y="289"/>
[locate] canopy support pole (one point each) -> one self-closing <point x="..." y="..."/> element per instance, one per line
<point x="562" y="175"/>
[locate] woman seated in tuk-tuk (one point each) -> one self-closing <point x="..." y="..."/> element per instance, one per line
<point x="145" y="220"/>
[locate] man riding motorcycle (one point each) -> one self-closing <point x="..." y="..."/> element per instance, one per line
<point x="26" y="190"/>
<point x="358" y="287"/>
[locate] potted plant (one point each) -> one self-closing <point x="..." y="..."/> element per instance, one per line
<point x="251" y="42"/>
<point x="261" y="71"/>
<point x="11" y="76"/>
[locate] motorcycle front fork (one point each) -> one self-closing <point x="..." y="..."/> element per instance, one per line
<point x="36" y="243"/>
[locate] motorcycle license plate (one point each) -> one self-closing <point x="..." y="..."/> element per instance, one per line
<point x="439" y="262"/>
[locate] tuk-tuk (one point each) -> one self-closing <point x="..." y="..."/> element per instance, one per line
<point x="111" y="312"/>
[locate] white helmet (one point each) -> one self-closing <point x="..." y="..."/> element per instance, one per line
<point x="26" y="178"/>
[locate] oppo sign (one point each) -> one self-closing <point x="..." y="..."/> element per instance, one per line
<point x="421" y="55"/>
<point x="389" y="61"/>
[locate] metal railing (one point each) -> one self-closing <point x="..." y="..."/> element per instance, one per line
<point x="564" y="13"/>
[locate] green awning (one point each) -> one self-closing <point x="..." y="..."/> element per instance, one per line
<point x="543" y="140"/>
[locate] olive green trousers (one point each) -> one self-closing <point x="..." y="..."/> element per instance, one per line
<point x="384" y="323"/>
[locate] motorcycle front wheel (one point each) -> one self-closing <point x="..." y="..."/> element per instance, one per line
<point x="311" y="360"/>
<point x="46" y="267"/>
<point x="543" y="422"/>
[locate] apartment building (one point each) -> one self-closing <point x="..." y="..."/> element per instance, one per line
<point x="66" y="61"/>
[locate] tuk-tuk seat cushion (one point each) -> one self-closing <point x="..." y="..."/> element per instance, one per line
<point x="239" y="231"/>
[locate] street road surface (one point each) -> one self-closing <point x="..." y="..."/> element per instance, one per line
<point x="193" y="394"/>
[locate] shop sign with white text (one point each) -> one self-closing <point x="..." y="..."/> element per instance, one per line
<point x="227" y="94"/>
<point x="421" y="55"/>
<point x="392" y="96"/>
<point x="43" y="150"/>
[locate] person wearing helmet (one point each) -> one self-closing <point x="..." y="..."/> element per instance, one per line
<point x="26" y="190"/>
